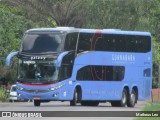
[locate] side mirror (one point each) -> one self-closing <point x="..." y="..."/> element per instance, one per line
<point x="60" y="58"/>
<point x="9" y="57"/>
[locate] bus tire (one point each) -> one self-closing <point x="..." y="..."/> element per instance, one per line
<point x="75" y="98"/>
<point x="122" y="102"/>
<point x="132" y="98"/>
<point x="37" y="103"/>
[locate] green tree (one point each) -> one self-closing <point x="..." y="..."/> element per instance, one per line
<point x="119" y="14"/>
<point x="12" y="28"/>
<point x="155" y="28"/>
<point x="52" y="12"/>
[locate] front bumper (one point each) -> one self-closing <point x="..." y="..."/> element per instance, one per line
<point x="13" y="98"/>
<point x="51" y="95"/>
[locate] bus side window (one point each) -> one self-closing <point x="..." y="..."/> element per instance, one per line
<point x="145" y="44"/>
<point x="138" y="44"/>
<point x="129" y="44"/>
<point x="109" y="43"/>
<point x="67" y="66"/>
<point x="112" y="73"/>
<point x="84" y="73"/>
<point x="147" y="72"/>
<point x="98" y="45"/>
<point x="71" y="41"/>
<point x="65" y="72"/>
<point x="120" y="43"/>
<point x="84" y="42"/>
<point x="90" y="72"/>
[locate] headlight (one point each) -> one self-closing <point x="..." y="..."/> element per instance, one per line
<point x="57" y="87"/>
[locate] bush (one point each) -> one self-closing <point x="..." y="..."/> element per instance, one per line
<point x="3" y="95"/>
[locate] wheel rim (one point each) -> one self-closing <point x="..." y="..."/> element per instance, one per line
<point x="133" y="97"/>
<point x="124" y="98"/>
<point x="76" y="97"/>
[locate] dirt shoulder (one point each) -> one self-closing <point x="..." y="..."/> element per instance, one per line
<point x="156" y="94"/>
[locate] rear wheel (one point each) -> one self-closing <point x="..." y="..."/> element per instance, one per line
<point x="37" y="103"/>
<point x="132" y="99"/>
<point x="123" y="100"/>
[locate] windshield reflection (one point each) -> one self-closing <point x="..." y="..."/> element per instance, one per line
<point x="37" y="71"/>
<point x="35" y="42"/>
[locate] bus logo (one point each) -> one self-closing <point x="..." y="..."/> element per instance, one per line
<point x="38" y="58"/>
<point x="123" y="57"/>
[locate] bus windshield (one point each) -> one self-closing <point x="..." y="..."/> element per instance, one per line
<point x="35" y="42"/>
<point x="37" y="72"/>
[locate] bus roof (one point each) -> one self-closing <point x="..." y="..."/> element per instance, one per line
<point x="104" y="31"/>
<point x="115" y="31"/>
<point x="57" y="29"/>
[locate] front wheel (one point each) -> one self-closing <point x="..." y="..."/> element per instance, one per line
<point x="132" y="99"/>
<point x="75" y="98"/>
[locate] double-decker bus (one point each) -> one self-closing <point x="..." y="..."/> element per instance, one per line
<point x="86" y="66"/>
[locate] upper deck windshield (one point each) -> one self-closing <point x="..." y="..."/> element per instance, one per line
<point x="42" y="42"/>
<point x="37" y="72"/>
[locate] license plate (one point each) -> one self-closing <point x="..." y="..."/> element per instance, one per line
<point x="36" y="98"/>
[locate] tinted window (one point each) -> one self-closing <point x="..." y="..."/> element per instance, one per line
<point x="67" y="66"/>
<point x="147" y="72"/>
<point x="38" y="43"/>
<point x="114" y="43"/>
<point x="71" y="41"/>
<point x="127" y="43"/>
<point x="65" y="72"/>
<point x="85" y="73"/>
<point x="84" y="42"/>
<point x="100" y="73"/>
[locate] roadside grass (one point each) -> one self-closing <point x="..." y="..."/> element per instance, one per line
<point x="155" y="106"/>
<point x="3" y="95"/>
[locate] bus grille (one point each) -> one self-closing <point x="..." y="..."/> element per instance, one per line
<point x="36" y="91"/>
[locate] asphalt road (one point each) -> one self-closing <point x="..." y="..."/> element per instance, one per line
<point x="64" y="106"/>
